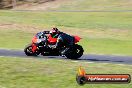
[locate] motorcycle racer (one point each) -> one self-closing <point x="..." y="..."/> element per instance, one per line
<point x="63" y="39"/>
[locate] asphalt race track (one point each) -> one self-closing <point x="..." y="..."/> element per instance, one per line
<point x="88" y="58"/>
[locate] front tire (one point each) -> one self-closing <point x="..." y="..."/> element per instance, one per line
<point x="28" y="51"/>
<point x="76" y="53"/>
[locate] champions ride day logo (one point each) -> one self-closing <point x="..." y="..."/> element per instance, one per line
<point x="83" y="78"/>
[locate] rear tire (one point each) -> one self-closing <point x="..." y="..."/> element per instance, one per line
<point x="28" y="51"/>
<point x="76" y="53"/>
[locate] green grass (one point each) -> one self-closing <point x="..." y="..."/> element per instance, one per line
<point x="102" y="33"/>
<point x="14" y="39"/>
<point x="44" y="73"/>
<point x="96" y="5"/>
<point x="107" y="46"/>
<point x="95" y="20"/>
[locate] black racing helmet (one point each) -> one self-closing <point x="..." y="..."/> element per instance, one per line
<point x="54" y="32"/>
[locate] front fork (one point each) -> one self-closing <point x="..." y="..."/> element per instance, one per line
<point x="34" y="47"/>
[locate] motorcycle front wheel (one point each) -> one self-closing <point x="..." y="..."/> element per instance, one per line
<point x="28" y="51"/>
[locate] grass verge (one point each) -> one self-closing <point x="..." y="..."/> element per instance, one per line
<point x="40" y="73"/>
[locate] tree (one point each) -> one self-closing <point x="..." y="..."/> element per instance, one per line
<point x="14" y="3"/>
<point x="1" y="3"/>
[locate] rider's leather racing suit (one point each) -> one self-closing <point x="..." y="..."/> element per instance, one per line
<point x="64" y="40"/>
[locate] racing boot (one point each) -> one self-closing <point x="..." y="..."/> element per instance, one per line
<point x="64" y="52"/>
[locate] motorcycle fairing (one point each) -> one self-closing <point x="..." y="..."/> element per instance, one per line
<point x="34" y="39"/>
<point x="77" y="39"/>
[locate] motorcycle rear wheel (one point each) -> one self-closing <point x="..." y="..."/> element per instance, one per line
<point x="76" y="53"/>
